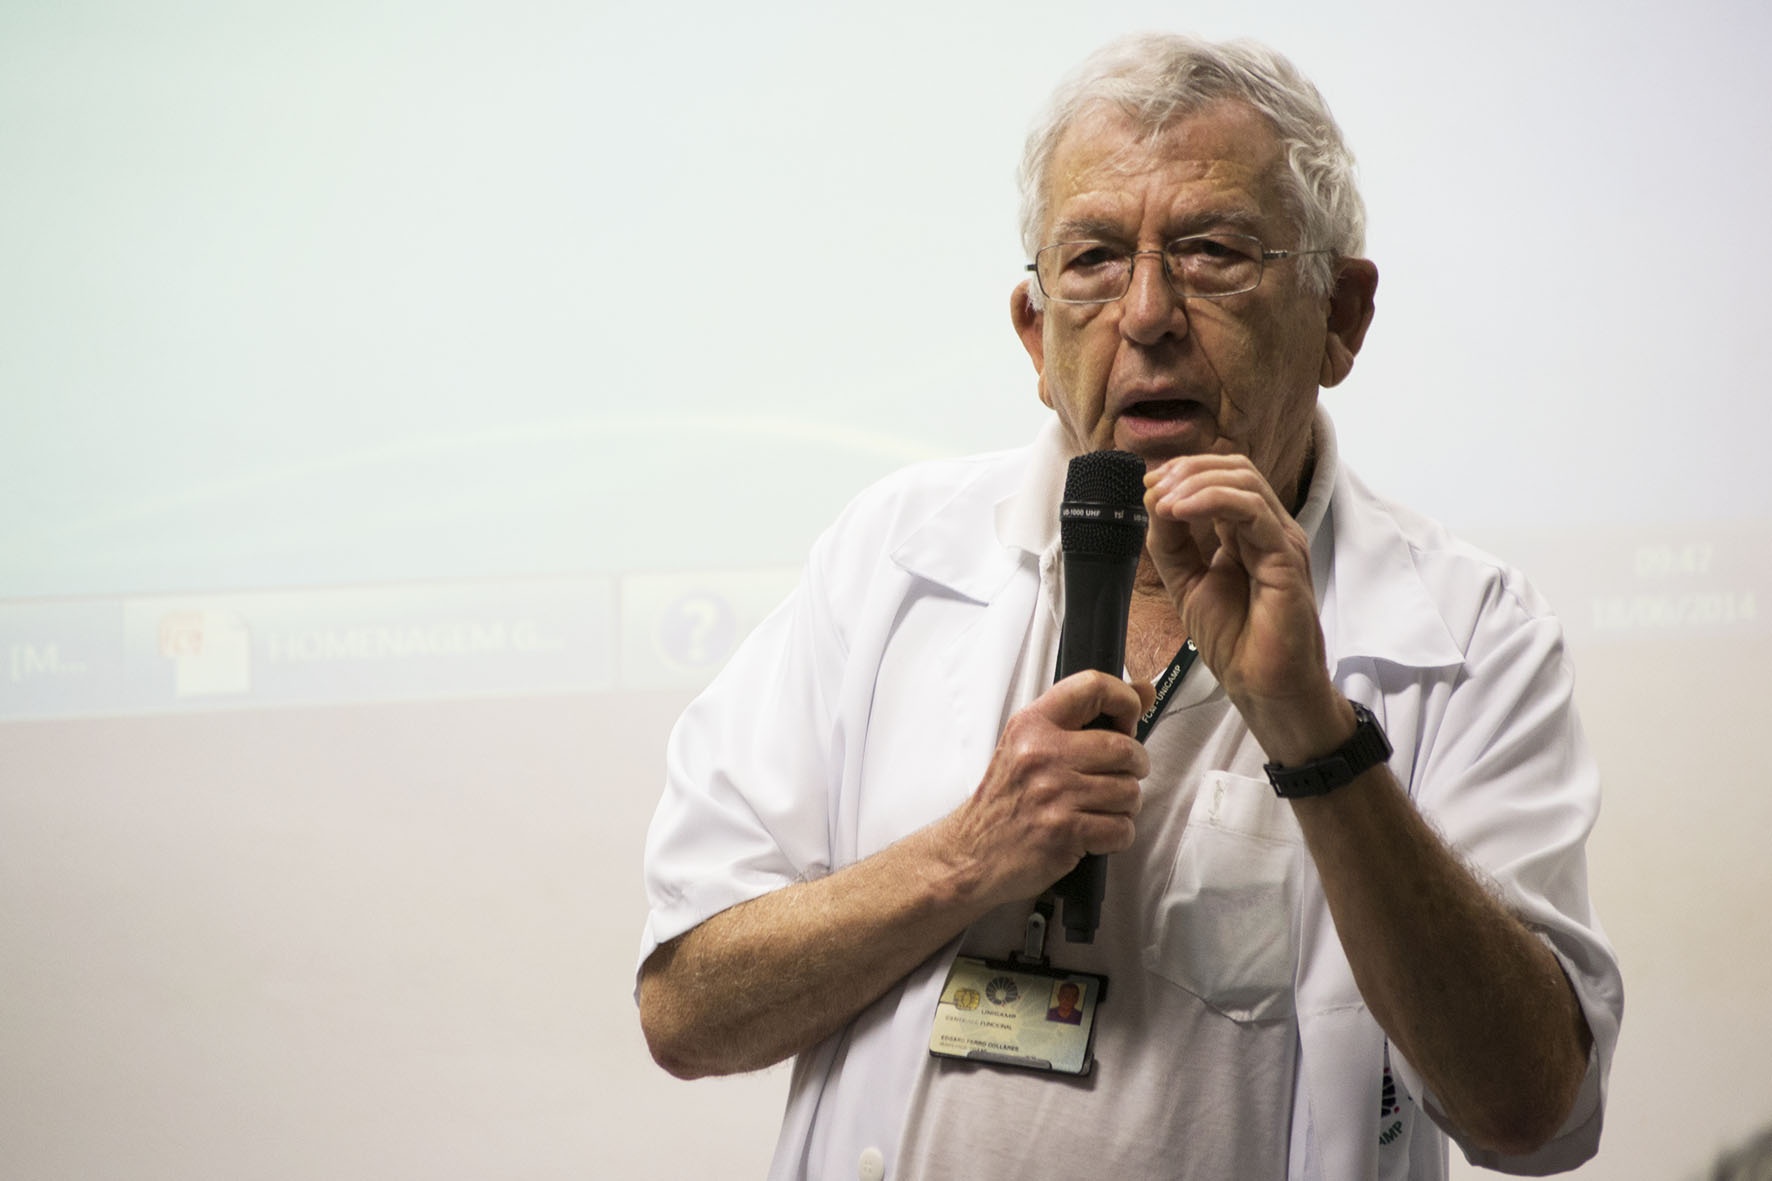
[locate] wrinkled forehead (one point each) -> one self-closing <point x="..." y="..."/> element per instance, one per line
<point x="1110" y="162"/>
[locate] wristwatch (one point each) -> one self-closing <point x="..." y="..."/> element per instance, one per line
<point x="1367" y="748"/>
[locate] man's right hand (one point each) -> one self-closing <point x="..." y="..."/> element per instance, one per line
<point x="1055" y="791"/>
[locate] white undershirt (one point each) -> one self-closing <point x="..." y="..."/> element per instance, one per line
<point x="1196" y="1043"/>
<point x="1196" y="915"/>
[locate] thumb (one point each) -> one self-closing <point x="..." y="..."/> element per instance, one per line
<point x="1082" y="697"/>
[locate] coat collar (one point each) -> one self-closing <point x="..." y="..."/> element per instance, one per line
<point x="1001" y="511"/>
<point x="1370" y="591"/>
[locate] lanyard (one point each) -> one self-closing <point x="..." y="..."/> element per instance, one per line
<point x="1166" y="686"/>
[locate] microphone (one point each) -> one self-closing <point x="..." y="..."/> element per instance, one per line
<point x="1101" y="525"/>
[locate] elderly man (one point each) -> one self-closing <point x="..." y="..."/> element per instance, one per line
<point x="1346" y="909"/>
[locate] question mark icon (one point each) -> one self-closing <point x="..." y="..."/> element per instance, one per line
<point x="698" y="629"/>
<point x="702" y="615"/>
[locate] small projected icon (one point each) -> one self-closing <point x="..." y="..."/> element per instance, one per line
<point x="698" y="629"/>
<point x="211" y="652"/>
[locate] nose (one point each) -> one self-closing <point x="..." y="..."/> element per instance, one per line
<point x="1150" y="309"/>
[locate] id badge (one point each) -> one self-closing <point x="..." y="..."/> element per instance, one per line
<point x="1015" y="1014"/>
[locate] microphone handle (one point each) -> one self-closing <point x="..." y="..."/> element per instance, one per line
<point x="1098" y="600"/>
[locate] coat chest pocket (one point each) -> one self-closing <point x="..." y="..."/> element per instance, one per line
<point x="1225" y="925"/>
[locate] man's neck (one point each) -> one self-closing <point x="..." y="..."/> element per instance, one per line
<point x="1306" y="475"/>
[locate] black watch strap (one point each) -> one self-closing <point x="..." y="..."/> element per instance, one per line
<point x="1367" y="748"/>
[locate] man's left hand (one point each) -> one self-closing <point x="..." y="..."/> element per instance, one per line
<point x="1237" y="568"/>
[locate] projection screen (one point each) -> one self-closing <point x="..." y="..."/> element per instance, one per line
<point x="408" y="407"/>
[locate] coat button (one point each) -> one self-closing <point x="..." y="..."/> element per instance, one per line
<point x="872" y="1166"/>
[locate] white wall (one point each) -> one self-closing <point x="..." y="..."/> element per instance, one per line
<point x="408" y="406"/>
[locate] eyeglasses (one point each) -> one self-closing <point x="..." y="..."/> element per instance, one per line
<point x="1203" y="266"/>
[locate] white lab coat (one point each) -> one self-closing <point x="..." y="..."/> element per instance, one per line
<point x="869" y="704"/>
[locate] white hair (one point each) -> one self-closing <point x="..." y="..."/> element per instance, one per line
<point x="1157" y="78"/>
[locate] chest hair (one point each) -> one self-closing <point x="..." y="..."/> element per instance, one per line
<point x="1153" y="635"/>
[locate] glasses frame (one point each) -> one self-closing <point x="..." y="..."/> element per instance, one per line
<point x="1262" y="255"/>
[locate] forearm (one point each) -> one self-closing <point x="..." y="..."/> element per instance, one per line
<point x="1471" y="997"/>
<point x="771" y="977"/>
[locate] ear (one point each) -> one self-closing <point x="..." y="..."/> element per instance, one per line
<point x="1350" y="313"/>
<point x="1030" y="325"/>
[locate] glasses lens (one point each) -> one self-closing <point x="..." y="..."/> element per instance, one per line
<point x="1214" y="264"/>
<point x="1083" y="272"/>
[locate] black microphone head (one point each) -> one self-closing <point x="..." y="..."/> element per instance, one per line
<point x="1103" y="511"/>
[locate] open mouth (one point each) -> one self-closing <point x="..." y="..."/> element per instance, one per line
<point x="1166" y="409"/>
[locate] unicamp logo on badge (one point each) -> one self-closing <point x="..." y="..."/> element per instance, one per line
<point x="1002" y="990"/>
